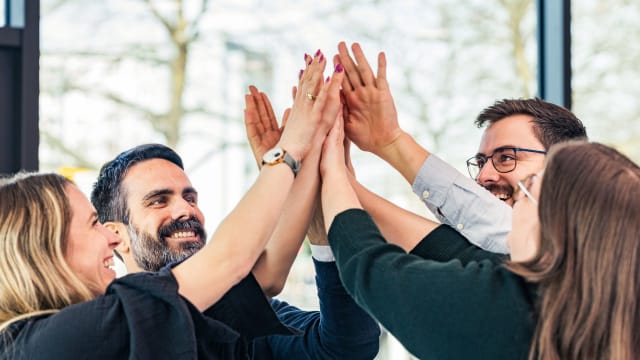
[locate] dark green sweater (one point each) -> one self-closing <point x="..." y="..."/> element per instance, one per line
<point x="446" y="300"/>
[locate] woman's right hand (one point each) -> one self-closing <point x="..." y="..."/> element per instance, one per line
<point x="315" y="107"/>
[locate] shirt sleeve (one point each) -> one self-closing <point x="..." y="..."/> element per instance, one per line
<point x="322" y="253"/>
<point x="340" y="330"/>
<point x="458" y="201"/>
<point x="438" y="309"/>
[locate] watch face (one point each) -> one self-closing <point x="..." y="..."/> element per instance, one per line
<point x="273" y="155"/>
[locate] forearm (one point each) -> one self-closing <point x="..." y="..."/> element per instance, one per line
<point x="398" y="226"/>
<point x="234" y="247"/>
<point x="405" y="155"/>
<point x="411" y="296"/>
<point x="337" y="196"/>
<point x="273" y="266"/>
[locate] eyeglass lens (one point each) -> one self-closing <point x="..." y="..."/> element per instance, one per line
<point x="503" y="160"/>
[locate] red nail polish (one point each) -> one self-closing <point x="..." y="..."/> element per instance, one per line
<point x="305" y="57"/>
<point x="318" y="52"/>
<point x="321" y="58"/>
<point x="310" y="61"/>
<point x="328" y="78"/>
<point x="300" y="74"/>
<point x="339" y="68"/>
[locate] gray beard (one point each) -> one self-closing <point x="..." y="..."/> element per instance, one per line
<point x="152" y="253"/>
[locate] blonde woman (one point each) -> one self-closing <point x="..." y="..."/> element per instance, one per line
<point x="59" y="299"/>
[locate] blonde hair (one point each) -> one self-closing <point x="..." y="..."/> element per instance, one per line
<point x="34" y="224"/>
<point x="589" y="256"/>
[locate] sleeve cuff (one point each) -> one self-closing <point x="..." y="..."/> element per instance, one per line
<point x="322" y="253"/>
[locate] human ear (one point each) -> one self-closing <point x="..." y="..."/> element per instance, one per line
<point x="119" y="229"/>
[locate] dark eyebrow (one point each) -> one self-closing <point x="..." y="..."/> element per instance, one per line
<point x="159" y="192"/>
<point x="497" y="149"/>
<point x="155" y="193"/>
<point x="189" y="190"/>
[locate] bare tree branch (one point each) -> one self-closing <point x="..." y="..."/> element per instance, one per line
<point x="165" y="22"/>
<point x="57" y="143"/>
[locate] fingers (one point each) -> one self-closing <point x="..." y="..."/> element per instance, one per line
<point x="252" y="121"/>
<point x="352" y="75"/>
<point x="336" y="134"/>
<point x="381" y="81"/>
<point x="311" y="79"/>
<point x="271" y="116"/>
<point x="285" y="117"/>
<point x="364" y="69"/>
<point x="345" y="106"/>
<point x="255" y="111"/>
<point x="346" y="84"/>
<point x="328" y="100"/>
<point x="264" y="110"/>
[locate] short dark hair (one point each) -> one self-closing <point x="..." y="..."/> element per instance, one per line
<point x="552" y="123"/>
<point x="107" y="195"/>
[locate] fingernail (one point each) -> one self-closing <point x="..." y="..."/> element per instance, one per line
<point x="328" y="78"/>
<point x="300" y="74"/>
<point x="321" y="58"/>
<point x="310" y="61"/>
<point x="317" y="52"/>
<point x="339" y="68"/>
<point x="305" y="57"/>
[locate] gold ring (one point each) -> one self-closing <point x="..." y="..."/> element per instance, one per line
<point x="310" y="96"/>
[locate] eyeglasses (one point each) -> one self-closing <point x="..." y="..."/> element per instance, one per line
<point x="524" y="185"/>
<point x="503" y="159"/>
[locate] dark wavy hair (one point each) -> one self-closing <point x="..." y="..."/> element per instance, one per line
<point x="108" y="196"/>
<point x="552" y="124"/>
<point x="588" y="263"/>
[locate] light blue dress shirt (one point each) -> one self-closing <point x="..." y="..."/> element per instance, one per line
<point x="458" y="201"/>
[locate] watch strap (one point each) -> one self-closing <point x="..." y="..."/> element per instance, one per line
<point x="284" y="158"/>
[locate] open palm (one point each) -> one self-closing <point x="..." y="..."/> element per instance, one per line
<point x="260" y="121"/>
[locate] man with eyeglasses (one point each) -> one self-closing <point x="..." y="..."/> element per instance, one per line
<point x="518" y="132"/>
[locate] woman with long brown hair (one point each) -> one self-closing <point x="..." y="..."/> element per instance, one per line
<point x="587" y="266"/>
<point x="569" y="290"/>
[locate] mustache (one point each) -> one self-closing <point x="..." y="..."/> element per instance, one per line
<point x="498" y="188"/>
<point x="191" y="223"/>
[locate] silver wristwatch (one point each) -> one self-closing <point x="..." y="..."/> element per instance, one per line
<point x="278" y="155"/>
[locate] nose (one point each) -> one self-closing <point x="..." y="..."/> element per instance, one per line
<point x="488" y="174"/>
<point x="112" y="239"/>
<point x="183" y="209"/>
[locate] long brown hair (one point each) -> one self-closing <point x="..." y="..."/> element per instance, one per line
<point x="34" y="225"/>
<point x="588" y="263"/>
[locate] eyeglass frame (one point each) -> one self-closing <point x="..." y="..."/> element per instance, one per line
<point x="524" y="188"/>
<point x="486" y="159"/>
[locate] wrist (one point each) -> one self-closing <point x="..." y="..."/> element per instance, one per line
<point x="294" y="151"/>
<point x="279" y="155"/>
<point x="405" y="155"/>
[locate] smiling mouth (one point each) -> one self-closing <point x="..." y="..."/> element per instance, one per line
<point x="109" y="263"/>
<point x="503" y="196"/>
<point x="182" y="235"/>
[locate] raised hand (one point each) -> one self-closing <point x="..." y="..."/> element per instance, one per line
<point x="332" y="162"/>
<point x="260" y="121"/>
<point x="315" y="107"/>
<point x="371" y="119"/>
